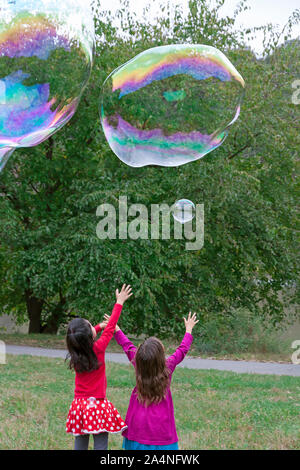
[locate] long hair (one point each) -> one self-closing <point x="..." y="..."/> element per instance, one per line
<point x="152" y="374"/>
<point x="80" y="346"/>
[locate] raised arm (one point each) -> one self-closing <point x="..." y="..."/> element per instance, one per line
<point x="99" y="327"/>
<point x="180" y="352"/>
<point x="122" y="296"/>
<point x="185" y="345"/>
<point x="126" y="344"/>
<point x="102" y="342"/>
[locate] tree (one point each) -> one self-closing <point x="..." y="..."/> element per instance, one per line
<point x="53" y="264"/>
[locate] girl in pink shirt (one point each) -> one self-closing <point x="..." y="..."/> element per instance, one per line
<point x="150" y="416"/>
<point x="90" y="411"/>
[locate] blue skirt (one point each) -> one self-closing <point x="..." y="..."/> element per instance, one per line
<point x="133" y="445"/>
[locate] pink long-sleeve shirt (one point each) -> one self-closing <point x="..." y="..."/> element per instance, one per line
<point x="155" y="424"/>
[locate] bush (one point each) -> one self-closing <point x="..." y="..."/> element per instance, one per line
<point x="238" y="332"/>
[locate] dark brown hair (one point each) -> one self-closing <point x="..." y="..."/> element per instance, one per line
<point x="152" y="374"/>
<point x="80" y="343"/>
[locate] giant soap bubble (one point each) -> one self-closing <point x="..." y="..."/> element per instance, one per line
<point x="46" y="49"/>
<point x="170" y="105"/>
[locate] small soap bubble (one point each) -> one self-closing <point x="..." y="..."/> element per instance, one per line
<point x="184" y="211"/>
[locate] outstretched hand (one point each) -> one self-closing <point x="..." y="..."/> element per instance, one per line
<point x="190" y="322"/>
<point x="124" y="294"/>
<point x="121" y="297"/>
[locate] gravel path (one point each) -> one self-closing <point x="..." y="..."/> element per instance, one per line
<point x="248" y="367"/>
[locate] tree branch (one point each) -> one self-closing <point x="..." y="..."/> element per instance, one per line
<point x="247" y="144"/>
<point x="49" y="153"/>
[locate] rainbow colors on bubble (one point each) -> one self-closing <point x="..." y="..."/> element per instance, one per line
<point x="200" y="62"/>
<point x="26" y="119"/>
<point x="170" y="105"/>
<point x="46" y="50"/>
<point x="151" y="145"/>
<point x="39" y="38"/>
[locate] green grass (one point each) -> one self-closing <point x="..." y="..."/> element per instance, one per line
<point x="213" y="409"/>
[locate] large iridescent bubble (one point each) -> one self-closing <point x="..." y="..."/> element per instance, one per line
<point x="170" y="105"/>
<point x="46" y="49"/>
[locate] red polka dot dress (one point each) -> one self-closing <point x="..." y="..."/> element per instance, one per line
<point x="91" y="412"/>
<point x="92" y="416"/>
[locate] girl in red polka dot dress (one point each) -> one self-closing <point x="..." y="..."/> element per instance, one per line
<point x="90" y="411"/>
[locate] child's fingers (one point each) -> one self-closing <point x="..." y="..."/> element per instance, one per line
<point x="126" y="288"/>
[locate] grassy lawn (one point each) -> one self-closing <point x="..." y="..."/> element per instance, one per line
<point x="213" y="409"/>
<point x="58" y="342"/>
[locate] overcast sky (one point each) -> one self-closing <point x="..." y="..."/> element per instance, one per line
<point x="260" y="12"/>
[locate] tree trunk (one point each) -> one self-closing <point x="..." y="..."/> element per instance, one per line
<point x="34" y="310"/>
<point x="55" y="319"/>
<point x="52" y="325"/>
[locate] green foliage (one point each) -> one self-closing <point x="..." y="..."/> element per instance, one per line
<point x="51" y="260"/>
<point x="238" y="332"/>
